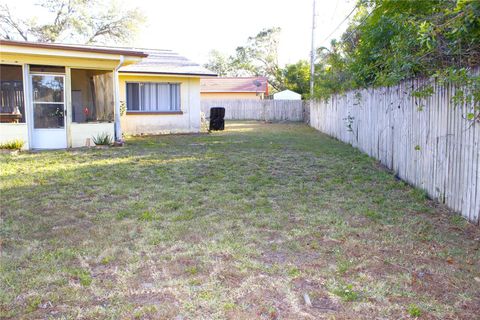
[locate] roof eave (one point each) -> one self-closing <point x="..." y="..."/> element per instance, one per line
<point x="168" y="73"/>
<point x="232" y="91"/>
<point x="72" y="48"/>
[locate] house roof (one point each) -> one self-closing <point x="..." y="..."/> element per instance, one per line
<point x="153" y="61"/>
<point x="234" y="84"/>
<point x="286" y="92"/>
<point x="74" y="47"/>
<point x="166" y="62"/>
<point x="287" y="95"/>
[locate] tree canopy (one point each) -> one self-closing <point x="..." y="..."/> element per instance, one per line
<point x="386" y="42"/>
<point x="391" y="40"/>
<point x="73" y="21"/>
<point x="258" y="57"/>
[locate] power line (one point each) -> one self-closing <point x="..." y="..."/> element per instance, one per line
<point x="345" y="19"/>
<point x="350" y="34"/>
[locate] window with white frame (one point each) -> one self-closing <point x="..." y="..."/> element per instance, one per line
<point x="153" y="97"/>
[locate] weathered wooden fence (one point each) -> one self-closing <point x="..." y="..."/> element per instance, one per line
<point x="429" y="142"/>
<point x="249" y="109"/>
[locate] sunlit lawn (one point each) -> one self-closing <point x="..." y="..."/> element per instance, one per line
<point x="240" y="224"/>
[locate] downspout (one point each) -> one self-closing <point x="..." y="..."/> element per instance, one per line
<point x="118" y="127"/>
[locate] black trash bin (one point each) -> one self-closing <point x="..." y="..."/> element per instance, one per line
<point x="217" y="116"/>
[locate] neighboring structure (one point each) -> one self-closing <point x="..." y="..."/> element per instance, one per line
<point x="59" y="96"/>
<point x="233" y="88"/>
<point x="287" y="95"/>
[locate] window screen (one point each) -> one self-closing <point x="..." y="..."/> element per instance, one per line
<point x="153" y="97"/>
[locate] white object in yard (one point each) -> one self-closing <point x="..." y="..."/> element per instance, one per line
<point x="308" y="302"/>
<point x="287" y="95"/>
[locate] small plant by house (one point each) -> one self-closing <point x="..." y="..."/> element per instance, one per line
<point x="102" y="139"/>
<point x="12" y="145"/>
<point x="204" y="125"/>
<point x="123" y="108"/>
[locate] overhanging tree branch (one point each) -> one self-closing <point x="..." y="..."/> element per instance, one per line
<point x="75" y="21"/>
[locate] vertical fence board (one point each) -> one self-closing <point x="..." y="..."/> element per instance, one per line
<point x="250" y="109"/>
<point x="427" y="142"/>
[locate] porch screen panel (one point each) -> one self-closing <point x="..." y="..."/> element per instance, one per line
<point x="104" y="96"/>
<point x="12" y="104"/>
<point x="153" y="97"/>
<point x="92" y="96"/>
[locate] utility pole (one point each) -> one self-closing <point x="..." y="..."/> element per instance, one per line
<point x="312" y="53"/>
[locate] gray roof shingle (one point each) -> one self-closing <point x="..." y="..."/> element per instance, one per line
<point x="166" y="62"/>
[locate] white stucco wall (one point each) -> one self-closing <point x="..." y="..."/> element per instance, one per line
<point x="80" y="132"/>
<point x="14" y="131"/>
<point x="188" y="121"/>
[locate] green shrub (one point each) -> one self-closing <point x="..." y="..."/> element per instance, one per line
<point x="414" y="311"/>
<point x="146" y="216"/>
<point x="106" y="260"/>
<point x="193" y="270"/>
<point x="33" y="303"/>
<point x="293" y="272"/>
<point x="344" y="265"/>
<point x="373" y="215"/>
<point x="16" y="144"/>
<point x="102" y="139"/>
<point x="83" y="276"/>
<point x="346" y="292"/>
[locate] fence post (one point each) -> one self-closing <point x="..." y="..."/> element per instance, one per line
<point x="306" y="107"/>
<point x="264" y="105"/>
<point x="424" y="145"/>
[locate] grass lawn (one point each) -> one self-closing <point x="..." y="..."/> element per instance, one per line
<point x="241" y="224"/>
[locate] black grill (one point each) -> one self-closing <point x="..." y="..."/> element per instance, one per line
<point x="217" y="121"/>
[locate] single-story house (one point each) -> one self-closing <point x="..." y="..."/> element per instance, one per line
<point x="161" y="93"/>
<point x="233" y="88"/>
<point x="60" y="96"/>
<point x="287" y="95"/>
